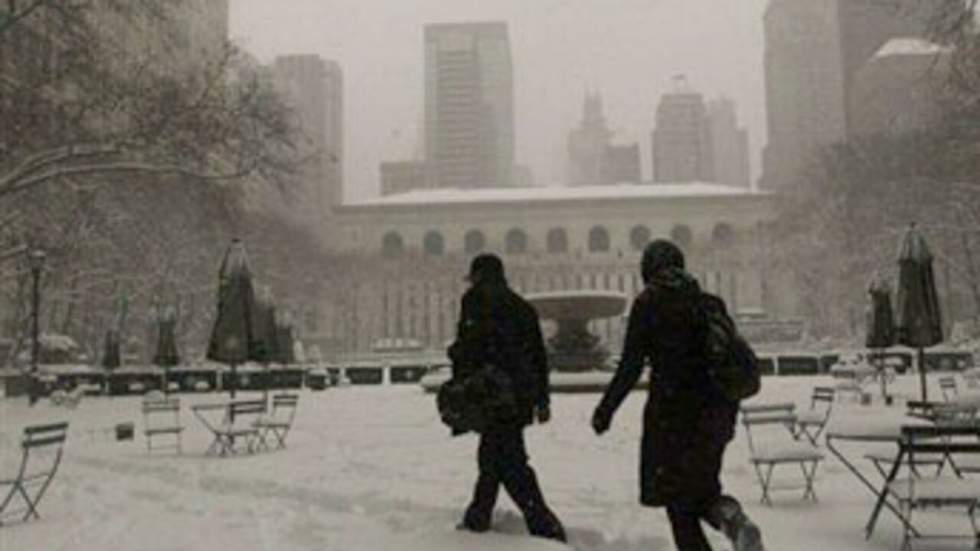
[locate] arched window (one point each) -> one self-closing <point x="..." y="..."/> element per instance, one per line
<point x="682" y="236"/>
<point x="516" y="242"/>
<point x="723" y="235"/>
<point x="392" y="245"/>
<point x="474" y="242"/>
<point x="639" y="237"/>
<point x="434" y="244"/>
<point x="557" y="241"/>
<point x="598" y="240"/>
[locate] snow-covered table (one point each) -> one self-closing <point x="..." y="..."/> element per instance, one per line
<point x="878" y="427"/>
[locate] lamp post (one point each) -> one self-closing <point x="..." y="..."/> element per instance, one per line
<point x="35" y="260"/>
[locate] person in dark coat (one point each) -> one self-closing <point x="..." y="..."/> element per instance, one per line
<point x="687" y="421"/>
<point x="499" y="328"/>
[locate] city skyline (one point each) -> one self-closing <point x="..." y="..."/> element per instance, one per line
<point x="378" y="44"/>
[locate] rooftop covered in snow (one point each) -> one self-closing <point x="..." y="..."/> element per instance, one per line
<point x="557" y="193"/>
<point x="910" y="46"/>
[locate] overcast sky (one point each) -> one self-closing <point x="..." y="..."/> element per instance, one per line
<point x="627" y="49"/>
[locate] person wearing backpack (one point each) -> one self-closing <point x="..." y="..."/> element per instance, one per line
<point x="690" y="411"/>
<point x="501" y="369"/>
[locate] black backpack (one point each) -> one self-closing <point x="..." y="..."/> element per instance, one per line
<point x="732" y="366"/>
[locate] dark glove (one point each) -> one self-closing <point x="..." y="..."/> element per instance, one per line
<point x="543" y="413"/>
<point x="601" y="420"/>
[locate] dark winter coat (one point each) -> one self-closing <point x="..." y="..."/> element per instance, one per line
<point x="497" y="327"/>
<point x="687" y="422"/>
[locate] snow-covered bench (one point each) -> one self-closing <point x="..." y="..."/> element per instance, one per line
<point x="69" y="399"/>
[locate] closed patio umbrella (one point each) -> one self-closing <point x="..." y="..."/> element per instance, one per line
<point x="880" y="325"/>
<point x="284" y="344"/>
<point x="111" y="357"/>
<point x="166" y="355"/>
<point x="919" y="320"/>
<point x="233" y="337"/>
<point x="266" y="340"/>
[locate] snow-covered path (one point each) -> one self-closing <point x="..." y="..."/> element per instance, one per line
<point x="372" y="469"/>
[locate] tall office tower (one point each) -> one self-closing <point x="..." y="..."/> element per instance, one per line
<point x="813" y="49"/>
<point x="682" y="138"/>
<point x="313" y="88"/>
<point x="729" y="144"/>
<point x="587" y="144"/>
<point x="867" y="25"/>
<point x="900" y="89"/>
<point x="469" y="105"/>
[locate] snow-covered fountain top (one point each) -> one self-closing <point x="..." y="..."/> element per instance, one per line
<point x="587" y="305"/>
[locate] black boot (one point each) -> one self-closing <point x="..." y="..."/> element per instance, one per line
<point x="479" y="514"/>
<point x="726" y="515"/>
<point x="541" y="520"/>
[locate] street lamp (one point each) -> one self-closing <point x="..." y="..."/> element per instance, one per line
<point x="35" y="260"/>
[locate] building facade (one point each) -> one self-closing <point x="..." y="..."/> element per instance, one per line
<point x="405" y="254"/>
<point x="469" y="105"/>
<point x="682" y="148"/>
<point x="587" y="144"/>
<point x="730" y="145"/>
<point x="313" y="88"/>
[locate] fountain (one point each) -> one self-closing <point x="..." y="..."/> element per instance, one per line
<point x="573" y="349"/>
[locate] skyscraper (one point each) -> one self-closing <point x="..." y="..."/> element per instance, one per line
<point x="813" y="50"/>
<point x="729" y="144"/>
<point x="313" y="88"/>
<point x="620" y="164"/>
<point x="587" y="144"/>
<point x="682" y="138"/>
<point x="900" y="89"/>
<point x="469" y="105"/>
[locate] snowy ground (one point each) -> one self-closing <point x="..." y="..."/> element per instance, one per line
<point x="372" y="469"/>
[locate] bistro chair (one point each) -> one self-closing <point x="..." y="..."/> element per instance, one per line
<point x="947" y="385"/>
<point x="811" y="422"/>
<point x="42" y="447"/>
<point x="780" y="446"/>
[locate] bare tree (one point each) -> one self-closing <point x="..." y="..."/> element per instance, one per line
<point x="84" y="103"/>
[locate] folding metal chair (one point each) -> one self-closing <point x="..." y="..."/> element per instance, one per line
<point x="811" y="422"/>
<point x="780" y="446"/>
<point x="32" y="481"/>
<point x="161" y="418"/>
<point x="238" y="425"/>
<point x="948" y="387"/>
<point x="278" y="422"/>
<point x="914" y="493"/>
